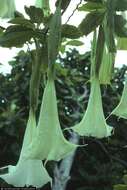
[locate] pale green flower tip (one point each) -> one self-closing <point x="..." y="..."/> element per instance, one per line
<point x="97" y="133"/>
<point x="120" y="114"/>
<point x="121" y="109"/>
<point x="29" y="173"/>
<point x="109" y="130"/>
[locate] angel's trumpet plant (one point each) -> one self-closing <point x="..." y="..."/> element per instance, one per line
<point x="49" y="142"/>
<point x="7" y="8"/>
<point x="27" y="172"/>
<point x="121" y="109"/>
<point x="93" y="123"/>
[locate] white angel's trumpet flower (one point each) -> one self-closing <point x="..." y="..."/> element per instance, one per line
<point x="93" y="123"/>
<point x="7" y="8"/>
<point x="49" y="142"/>
<point x="27" y="172"/>
<point x="121" y="109"/>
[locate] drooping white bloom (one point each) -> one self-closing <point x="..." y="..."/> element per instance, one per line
<point x="93" y="122"/>
<point x="121" y="109"/>
<point x="27" y="172"/>
<point x="48" y="142"/>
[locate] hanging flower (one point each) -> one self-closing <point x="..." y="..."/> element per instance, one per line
<point x="93" y="123"/>
<point x="49" y="142"/>
<point x="7" y="8"/>
<point x="27" y="172"/>
<point x="121" y="109"/>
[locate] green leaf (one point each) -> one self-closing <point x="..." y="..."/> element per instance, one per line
<point x="121" y="5"/>
<point x="23" y="22"/>
<point x="91" y="22"/>
<point x="18" y="14"/>
<point x="75" y="43"/>
<point x="120" y="26"/>
<point x="92" y="6"/>
<point x="36" y="14"/>
<point x="64" y="4"/>
<point x="122" y="44"/>
<point x="120" y="187"/>
<point x="70" y="31"/>
<point x="16" y="36"/>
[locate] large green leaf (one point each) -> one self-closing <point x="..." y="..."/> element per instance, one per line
<point x="90" y="22"/>
<point x="23" y="22"/>
<point x="16" y="36"/>
<point x="64" y="4"/>
<point x="70" y="31"/>
<point x="36" y="14"/>
<point x="92" y="6"/>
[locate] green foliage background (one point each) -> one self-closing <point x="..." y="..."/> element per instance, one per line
<point x="98" y="166"/>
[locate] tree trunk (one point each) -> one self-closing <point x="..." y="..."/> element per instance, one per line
<point x="62" y="172"/>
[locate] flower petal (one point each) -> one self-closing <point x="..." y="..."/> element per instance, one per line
<point x="27" y="172"/>
<point x="121" y="109"/>
<point x="49" y="142"/>
<point x="93" y="123"/>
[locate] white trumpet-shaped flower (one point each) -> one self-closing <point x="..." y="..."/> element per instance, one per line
<point x="49" y="142"/>
<point x="121" y="109"/>
<point x="27" y="172"/>
<point x="7" y="8"/>
<point x="93" y="123"/>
